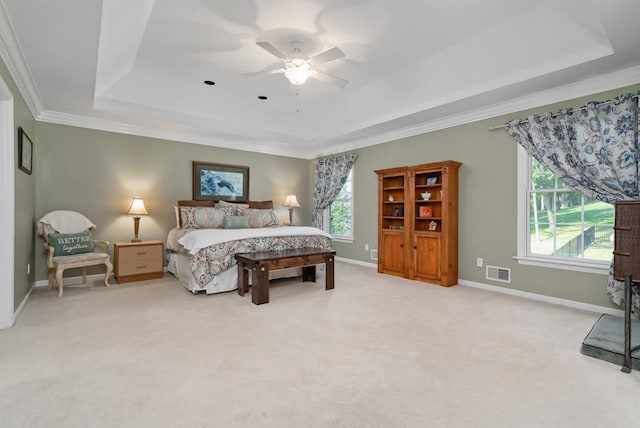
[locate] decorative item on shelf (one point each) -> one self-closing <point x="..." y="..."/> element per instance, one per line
<point x="291" y="202"/>
<point x="390" y="198"/>
<point x="425" y="212"/>
<point x="432" y="180"/>
<point x="398" y="212"/>
<point x="433" y="226"/>
<point x="426" y="196"/>
<point x="137" y="209"/>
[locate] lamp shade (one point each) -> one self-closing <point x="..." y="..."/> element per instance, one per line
<point x="137" y="207"/>
<point x="291" y="201"/>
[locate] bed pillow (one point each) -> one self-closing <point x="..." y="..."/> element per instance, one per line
<point x="260" y="218"/>
<point x="236" y="222"/>
<point x="235" y="206"/>
<point x="203" y="217"/>
<point x="65" y="244"/>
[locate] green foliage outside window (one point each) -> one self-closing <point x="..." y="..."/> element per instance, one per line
<point x="341" y="211"/>
<point x="565" y="223"/>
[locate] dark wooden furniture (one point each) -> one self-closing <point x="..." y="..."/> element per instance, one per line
<point x="138" y="261"/>
<point x="260" y="263"/>
<point x="418" y="235"/>
<point x="626" y="264"/>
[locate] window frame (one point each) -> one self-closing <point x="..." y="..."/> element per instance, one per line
<point x="327" y="214"/>
<point x="524" y="235"/>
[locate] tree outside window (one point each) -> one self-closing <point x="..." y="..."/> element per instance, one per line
<point x="340" y="212"/>
<point x="563" y="223"/>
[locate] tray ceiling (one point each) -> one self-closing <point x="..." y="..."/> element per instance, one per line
<point x="139" y="66"/>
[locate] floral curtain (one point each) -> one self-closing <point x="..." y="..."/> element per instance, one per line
<point x="330" y="174"/>
<point x="593" y="149"/>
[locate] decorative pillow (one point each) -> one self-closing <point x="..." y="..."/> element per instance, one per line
<point x="65" y="244"/>
<point x="177" y="212"/>
<point x="235" y="206"/>
<point x="203" y="217"/>
<point x="236" y="222"/>
<point x="260" y="218"/>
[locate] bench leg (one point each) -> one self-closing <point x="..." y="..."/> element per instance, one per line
<point x="260" y="285"/>
<point x="329" y="275"/>
<point x="243" y="280"/>
<point x="309" y="273"/>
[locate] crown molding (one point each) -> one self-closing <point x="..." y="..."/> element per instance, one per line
<point x="602" y="83"/>
<point x="100" y="124"/>
<point x="11" y="53"/>
<point x="606" y="82"/>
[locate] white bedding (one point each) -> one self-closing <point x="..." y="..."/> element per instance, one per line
<point x="203" y="259"/>
<point x="198" y="239"/>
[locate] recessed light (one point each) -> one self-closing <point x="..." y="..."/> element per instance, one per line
<point x="209" y="82"/>
<point x="262" y="97"/>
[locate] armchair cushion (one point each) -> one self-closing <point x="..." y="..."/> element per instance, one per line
<point x="65" y="244"/>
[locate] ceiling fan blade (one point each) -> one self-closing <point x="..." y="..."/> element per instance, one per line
<point x="326" y="56"/>
<point x="325" y="77"/>
<point x="271" y="49"/>
<point x="263" y="72"/>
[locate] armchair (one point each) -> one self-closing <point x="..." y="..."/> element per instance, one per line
<point x="69" y="244"/>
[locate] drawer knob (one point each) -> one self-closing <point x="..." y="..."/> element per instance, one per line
<point x="141" y="267"/>
<point x="141" y="254"/>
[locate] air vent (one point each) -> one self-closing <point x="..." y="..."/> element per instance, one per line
<point x="498" y="273"/>
<point x="374" y="254"/>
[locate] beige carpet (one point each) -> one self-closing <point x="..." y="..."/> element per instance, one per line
<point x="377" y="351"/>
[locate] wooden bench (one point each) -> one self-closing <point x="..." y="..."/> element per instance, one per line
<point x="260" y="263"/>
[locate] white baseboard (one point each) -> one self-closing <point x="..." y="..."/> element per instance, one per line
<point x="543" y="298"/>
<point x="77" y="280"/>
<point x="23" y="303"/>
<point x="357" y="262"/>
<point x="512" y="292"/>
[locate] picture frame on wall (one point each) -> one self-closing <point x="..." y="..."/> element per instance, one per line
<point x="25" y="152"/>
<point x="214" y="181"/>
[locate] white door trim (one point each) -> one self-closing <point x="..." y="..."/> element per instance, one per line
<point x="7" y="208"/>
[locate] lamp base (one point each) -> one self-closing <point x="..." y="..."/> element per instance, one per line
<point x="136" y="228"/>
<point x="290" y="216"/>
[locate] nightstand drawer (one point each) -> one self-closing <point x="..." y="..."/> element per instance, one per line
<point x="138" y="260"/>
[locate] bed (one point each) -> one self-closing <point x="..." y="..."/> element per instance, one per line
<point x="208" y="234"/>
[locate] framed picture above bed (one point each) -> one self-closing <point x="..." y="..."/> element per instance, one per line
<point x="214" y="181"/>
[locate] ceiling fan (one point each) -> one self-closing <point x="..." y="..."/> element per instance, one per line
<point x="298" y="67"/>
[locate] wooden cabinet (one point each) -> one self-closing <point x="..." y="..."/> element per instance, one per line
<point x="418" y="222"/>
<point x="137" y="261"/>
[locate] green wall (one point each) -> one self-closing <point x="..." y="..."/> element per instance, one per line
<point x="487" y="203"/>
<point x="25" y="185"/>
<point x="97" y="173"/>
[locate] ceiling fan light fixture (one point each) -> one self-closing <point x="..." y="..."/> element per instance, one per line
<point x="298" y="71"/>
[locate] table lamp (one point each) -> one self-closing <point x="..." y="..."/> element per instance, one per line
<point x="291" y="202"/>
<point x="137" y="209"/>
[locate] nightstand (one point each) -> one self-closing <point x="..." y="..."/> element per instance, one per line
<point x="137" y="261"/>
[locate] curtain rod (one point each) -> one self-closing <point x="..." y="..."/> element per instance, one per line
<point x="493" y="128"/>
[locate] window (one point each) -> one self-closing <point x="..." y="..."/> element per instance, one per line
<point x="560" y="227"/>
<point x="338" y="219"/>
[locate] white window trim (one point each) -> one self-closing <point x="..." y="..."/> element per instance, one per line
<point x="523" y="237"/>
<point x="327" y="214"/>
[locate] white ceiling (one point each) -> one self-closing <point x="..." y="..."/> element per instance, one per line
<point x="138" y="66"/>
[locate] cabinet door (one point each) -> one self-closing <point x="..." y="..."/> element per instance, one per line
<point x="427" y="256"/>
<point x="392" y="254"/>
